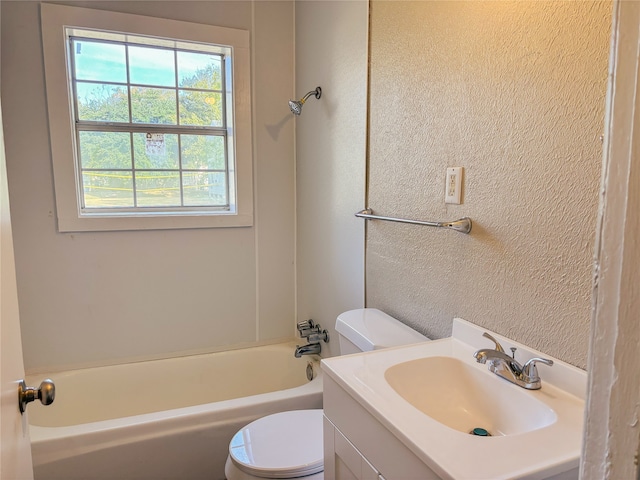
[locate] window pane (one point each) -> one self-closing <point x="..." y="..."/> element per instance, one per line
<point x="152" y="66"/>
<point x="199" y="70"/>
<point x="104" y="62"/>
<point x="200" y="108"/>
<point x="107" y="189"/>
<point x="202" y="152"/>
<point x="155" y="151"/>
<point x="105" y="150"/>
<point x="153" y="105"/>
<point x="204" y="188"/>
<point x="102" y="103"/>
<point x="158" y="189"/>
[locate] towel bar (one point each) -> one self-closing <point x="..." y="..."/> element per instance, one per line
<point x="462" y="225"/>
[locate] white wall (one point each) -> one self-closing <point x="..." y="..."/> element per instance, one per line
<point x="513" y="91"/>
<point x="331" y="52"/>
<point x="99" y="298"/>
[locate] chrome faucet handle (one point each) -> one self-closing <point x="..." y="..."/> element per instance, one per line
<point x="307" y="332"/>
<point x="319" y="336"/>
<point x="305" y="325"/>
<point x="530" y="371"/>
<point x="498" y="346"/>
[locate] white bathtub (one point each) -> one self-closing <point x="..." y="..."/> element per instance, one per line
<point x="167" y="419"/>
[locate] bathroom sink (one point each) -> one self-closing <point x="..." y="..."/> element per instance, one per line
<point x="464" y="398"/>
<point x="431" y="395"/>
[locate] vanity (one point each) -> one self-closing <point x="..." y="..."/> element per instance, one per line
<point x="432" y="411"/>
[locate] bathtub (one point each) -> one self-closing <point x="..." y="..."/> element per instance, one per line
<point x="164" y="419"/>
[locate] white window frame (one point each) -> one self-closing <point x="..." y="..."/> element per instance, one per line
<point x="56" y="20"/>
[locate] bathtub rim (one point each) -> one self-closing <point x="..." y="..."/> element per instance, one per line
<point x="162" y="363"/>
<point x="69" y="367"/>
<point x="50" y="446"/>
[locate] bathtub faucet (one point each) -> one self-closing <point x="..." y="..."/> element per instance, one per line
<point x="314" y="334"/>
<point x="308" y="349"/>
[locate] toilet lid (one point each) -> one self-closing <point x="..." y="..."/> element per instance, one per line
<point x="282" y="445"/>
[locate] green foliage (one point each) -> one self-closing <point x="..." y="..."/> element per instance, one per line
<point x="105" y="150"/>
<point x="153" y="105"/>
<point x="202" y="108"/>
<point x="112" y="150"/>
<point x="208" y="78"/>
<point x="102" y="103"/>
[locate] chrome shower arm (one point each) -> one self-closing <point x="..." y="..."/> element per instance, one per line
<point x="317" y="92"/>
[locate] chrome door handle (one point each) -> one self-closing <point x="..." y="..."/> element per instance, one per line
<point x="46" y="393"/>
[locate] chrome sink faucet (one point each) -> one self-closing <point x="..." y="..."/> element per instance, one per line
<point x="525" y="376"/>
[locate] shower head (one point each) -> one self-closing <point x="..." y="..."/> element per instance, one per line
<point x="296" y="105"/>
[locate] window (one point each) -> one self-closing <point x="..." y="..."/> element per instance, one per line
<point x="150" y="125"/>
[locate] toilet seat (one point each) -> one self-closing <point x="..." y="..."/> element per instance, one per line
<point x="282" y="445"/>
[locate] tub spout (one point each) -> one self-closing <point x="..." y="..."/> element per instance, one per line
<point x="308" y="349"/>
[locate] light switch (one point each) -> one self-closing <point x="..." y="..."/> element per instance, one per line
<point x="453" y="186"/>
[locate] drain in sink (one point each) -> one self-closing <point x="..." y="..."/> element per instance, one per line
<point x="480" y="432"/>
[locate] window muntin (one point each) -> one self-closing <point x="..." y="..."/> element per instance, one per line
<point x="151" y="126"/>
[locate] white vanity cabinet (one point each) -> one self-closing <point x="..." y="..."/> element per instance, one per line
<point x="358" y="447"/>
<point x="405" y="413"/>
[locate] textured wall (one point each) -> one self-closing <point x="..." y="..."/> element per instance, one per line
<point x="107" y="297"/>
<point x="514" y="93"/>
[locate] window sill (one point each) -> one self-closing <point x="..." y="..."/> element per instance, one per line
<point x="103" y="223"/>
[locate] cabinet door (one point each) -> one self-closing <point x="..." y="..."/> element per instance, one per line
<point x="368" y="472"/>
<point x="343" y="461"/>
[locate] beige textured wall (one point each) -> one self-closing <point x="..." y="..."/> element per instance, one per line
<point x="512" y="91"/>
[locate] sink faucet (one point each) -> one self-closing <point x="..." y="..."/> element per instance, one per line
<point x="525" y="376"/>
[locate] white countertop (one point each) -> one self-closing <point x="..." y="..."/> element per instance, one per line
<point x="538" y="453"/>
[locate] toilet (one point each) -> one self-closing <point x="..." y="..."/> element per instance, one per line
<point x="289" y="444"/>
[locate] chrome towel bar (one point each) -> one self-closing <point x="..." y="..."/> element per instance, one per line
<point x="462" y="225"/>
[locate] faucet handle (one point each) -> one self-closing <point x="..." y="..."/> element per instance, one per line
<point x="498" y="346"/>
<point x="318" y="336"/>
<point x="530" y="371"/>
<point x="307" y="327"/>
<point x="305" y="324"/>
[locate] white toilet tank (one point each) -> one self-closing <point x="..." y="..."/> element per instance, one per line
<point x="366" y="329"/>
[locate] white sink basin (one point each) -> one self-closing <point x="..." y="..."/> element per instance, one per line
<point x="430" y="395"/>
<point x="460" y="397"/>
